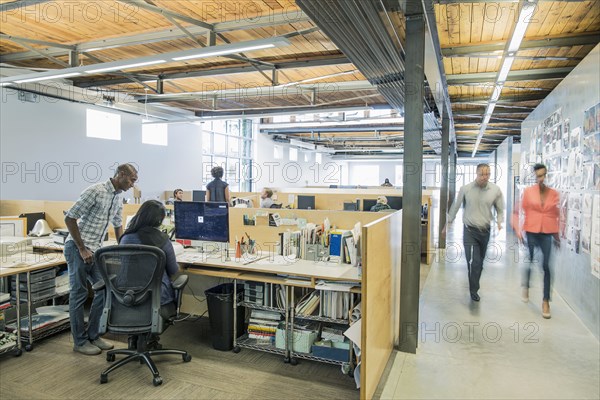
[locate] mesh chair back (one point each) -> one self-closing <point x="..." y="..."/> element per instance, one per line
<point x="132" y="274"/>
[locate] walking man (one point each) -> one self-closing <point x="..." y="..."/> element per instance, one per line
<point x="478" y="198"/>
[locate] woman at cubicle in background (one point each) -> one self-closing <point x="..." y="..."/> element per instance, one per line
<point x="143" y="229"/>
<point x="217" y="189"/>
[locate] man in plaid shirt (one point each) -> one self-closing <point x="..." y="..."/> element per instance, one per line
<point x="97" y="206"/>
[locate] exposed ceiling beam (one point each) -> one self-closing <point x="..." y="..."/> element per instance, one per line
<point x="273" y="19"/>
<point x="317" y="62"/>
<point x="513" y="76"/>
<point x="18" y="39"/>
<point x="591" y="38"/>
<point x="503" y="100"/>
<point x="261" y="91"/>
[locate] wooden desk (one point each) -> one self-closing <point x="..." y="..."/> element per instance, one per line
<point x="268" y="268"/>
<point x="26" y="263"/>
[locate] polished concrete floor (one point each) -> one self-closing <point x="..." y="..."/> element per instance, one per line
<point x="498" y="348"/>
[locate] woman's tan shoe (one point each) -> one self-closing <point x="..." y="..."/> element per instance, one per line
<point x="525" y="295"/>
<point x="546" y="309"/>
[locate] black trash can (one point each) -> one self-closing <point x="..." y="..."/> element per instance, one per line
<point x="220" y="313"/>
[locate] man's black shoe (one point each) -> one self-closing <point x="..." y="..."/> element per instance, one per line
<point x="474" y="296"/>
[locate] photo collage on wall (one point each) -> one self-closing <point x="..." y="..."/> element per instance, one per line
<point x="572" y="155"/>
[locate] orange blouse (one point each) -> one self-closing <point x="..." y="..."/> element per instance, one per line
<point x="540" y="218"/>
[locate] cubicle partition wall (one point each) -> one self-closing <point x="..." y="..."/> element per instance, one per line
<point x="381" y="252"/>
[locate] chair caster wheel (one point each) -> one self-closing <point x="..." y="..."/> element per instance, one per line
<point x="187" y="357"/>
<point x="28" y="347"/>
<point x="294" y="361"/>
<point x="157" y="381"/>
<point x="236" y="349"/>
<point x="110" y="357"/>
<point x="18" y="352"/>
<point x="286" y="360"/>
<point x="103" y="378"/>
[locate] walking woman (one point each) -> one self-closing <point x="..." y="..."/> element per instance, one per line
<point x="540" y="206"/>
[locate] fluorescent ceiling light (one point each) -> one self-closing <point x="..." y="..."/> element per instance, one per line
<point x="223" y="52"/>
<point x="506" y="65"/>
<point x="151" y="60"/>
<point x="44" y="78"/>
<point x="5" y="83"/>
<point x="522" y="24"/>
<point x="496" y="92"/>
<point x="301" y="144"/>
<point x="126" y="66"/>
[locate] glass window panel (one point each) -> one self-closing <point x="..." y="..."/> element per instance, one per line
<point x="293" y="154"/>
<point x="233" y="146"/>
<point x="233" y="127"/>
<point x="103" y="125"/>
<point x="277" y="152"/>
<point x="155" y="134"/>
<point x="220" y="144"/>
<point x="318" y="158"/>
<point x="219" y="126"/>
<point x="364" y="175"/>
<point x="206" y="142"/>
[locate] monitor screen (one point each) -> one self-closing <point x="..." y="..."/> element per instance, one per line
<point x="306" y="202"/>
<point x="202" y="220"/>
<point x="198" y="195"/>
<point x="395" y="202"/>
<point x="349" y="206"/>
<point x="368" y="203"/>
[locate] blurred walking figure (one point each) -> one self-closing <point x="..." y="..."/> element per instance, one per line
<point x="540" y="207"/>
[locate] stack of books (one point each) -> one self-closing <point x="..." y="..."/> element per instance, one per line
<point x="263" y="325"/>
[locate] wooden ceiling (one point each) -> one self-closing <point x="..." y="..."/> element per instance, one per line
<point x="41" y="35"/>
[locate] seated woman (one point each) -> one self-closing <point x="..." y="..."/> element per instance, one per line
<point x="381" y="204"/>
<point x="143" y="229"/>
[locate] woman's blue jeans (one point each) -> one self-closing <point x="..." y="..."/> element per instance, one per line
<point x="544" y="242"/>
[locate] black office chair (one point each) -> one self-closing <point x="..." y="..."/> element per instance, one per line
<point x="275" y="205"/>
<point x="133" y="274"/>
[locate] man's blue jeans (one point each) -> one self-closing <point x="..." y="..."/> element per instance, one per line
<point x="79" y="274"/>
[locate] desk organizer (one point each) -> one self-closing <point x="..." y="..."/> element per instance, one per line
<point x="301" y="342"/>
<point x="339" y="351"/>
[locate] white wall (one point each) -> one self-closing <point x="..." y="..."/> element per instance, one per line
<point x="283" y="173"/>
<point x="45" y="153"/>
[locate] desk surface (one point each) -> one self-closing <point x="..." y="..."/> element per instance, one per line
<point x="272" y="264"/>
<point x="28" y="262"/>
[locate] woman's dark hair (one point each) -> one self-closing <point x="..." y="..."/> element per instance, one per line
<point x="151" y="213"/>
<point x="217" y="172"/>
<point x="539" y="166"/>
<point x="175" y="192"/>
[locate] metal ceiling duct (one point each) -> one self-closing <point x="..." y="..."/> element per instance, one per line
<point x="364" y="32"/>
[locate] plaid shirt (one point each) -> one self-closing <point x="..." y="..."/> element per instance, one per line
<point x="97" y="205"/>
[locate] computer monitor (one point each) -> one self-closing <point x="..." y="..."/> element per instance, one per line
<point x="198" y="195"/>
<point x="306" y="202"/>
<point x="395" y="202"/>
<point x="349" y="206"/>
<point x="368" y="203"/>
<point x="201" y="220"/>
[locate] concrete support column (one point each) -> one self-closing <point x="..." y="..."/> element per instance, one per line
<point x="452" y="175"/>
<point x="413" y="166"/>
<point x="444" y="189"/>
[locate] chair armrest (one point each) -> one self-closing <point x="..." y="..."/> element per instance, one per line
<point x="100" y="285"/>
<point x="178" y="285"/>
<point x="180" y="282"/>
